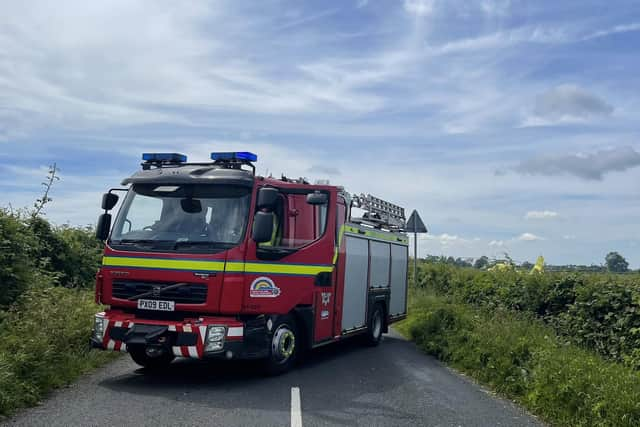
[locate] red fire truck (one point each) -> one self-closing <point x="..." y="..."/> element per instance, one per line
<point x="209" y="260"/>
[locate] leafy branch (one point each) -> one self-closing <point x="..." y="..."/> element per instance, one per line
<point x="52" y="176"/>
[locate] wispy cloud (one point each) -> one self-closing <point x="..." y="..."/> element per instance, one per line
<point x="567" y="104"/>
<point x="541" y="215"/>
<point x="419" y="7"/>
<point x="625" y="28"/>
<point x="529" y="237"/>
<point x="589" y="166"/>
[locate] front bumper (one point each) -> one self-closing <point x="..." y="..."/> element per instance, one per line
<point x="186" y="338"/>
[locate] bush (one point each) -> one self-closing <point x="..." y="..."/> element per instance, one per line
<point x="594" y="310"/>
<point x="523" y="359"/>
<point x="34" y="253"/>
<point x="18" y="247"/>
<point x="44" y="344"/>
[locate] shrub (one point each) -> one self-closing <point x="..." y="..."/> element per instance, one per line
<point x="44" y="344"/>
<point x="597" y="311"/>
<point x="524" y="359"/>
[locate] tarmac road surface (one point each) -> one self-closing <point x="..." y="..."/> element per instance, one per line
<point x="343" y="384"/>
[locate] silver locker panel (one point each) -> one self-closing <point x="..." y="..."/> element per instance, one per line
<point x="380" y="264"/>
<point x="399" y="259"/>
<point x="354" y="305"/>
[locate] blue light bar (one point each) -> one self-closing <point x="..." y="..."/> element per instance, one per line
<point x="164" y="157"/>
<point x="235" y="155"/>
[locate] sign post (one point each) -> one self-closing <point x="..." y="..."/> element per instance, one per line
<point x="415" y="226"/>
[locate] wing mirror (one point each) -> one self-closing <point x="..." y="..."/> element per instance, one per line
<point x="262" y="227"/>
<point x="109" y="200"/>
<point x="267" y="198"/>
<point x="317" y="198"/>
<point x="103" y="227"/>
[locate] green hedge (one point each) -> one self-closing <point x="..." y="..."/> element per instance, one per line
<point x="35" y="253"/>
<point x="44" y="344"/>
<point x="596" y="311"/>
<point x="522" y="358"/>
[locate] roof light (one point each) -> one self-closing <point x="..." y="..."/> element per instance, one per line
<point x="164" y="157"/>
<point x="235" y="155"/>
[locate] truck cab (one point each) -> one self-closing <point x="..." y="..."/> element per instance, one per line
<point x="208" y="260"/>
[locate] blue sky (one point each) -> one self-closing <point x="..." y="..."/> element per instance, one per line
<point x="510" y="125"/>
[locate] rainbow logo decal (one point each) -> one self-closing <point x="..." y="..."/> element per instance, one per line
<point x="263" y="287"/>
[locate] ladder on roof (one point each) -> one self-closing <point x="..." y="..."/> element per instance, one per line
<point x="379" y="212"/>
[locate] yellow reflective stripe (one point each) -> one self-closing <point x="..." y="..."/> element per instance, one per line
<point x="266" y="268"/>
<point x="171" y="264"/>
<point x="232" y="266"/>
<point x="340" y="236"/>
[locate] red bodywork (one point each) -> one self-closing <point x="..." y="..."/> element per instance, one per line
<point x="228" y="298"/>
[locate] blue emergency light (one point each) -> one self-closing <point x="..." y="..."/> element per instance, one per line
<point x="235" y="155"/>
<point x="164" y="157"/>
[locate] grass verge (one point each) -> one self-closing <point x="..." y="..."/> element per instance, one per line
<point x="44" y="344"/>
<point x="523" y="359"/>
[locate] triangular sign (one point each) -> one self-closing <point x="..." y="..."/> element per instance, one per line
<point x="415" y="224"/>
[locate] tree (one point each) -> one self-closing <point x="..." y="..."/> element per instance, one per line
<point x="616" y="263"/>
<point x="481" y="262"/>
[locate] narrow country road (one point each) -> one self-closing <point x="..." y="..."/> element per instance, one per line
<point x="343" y="385"/>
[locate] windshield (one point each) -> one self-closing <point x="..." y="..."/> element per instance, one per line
<point x="182" y="217"/>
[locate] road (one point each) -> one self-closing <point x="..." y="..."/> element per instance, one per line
<point x="345" y="384"/>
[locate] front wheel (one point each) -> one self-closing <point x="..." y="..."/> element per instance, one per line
<point x="284" y="347"/>
<point x="374" y="328"/>
<point x="140" y="356"/>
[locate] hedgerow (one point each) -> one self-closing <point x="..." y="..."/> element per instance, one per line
<point x="597" y="311"/>
<point x="46" y="309"/>
<point x="44" y="344"/>
<point x="521" y="357"/>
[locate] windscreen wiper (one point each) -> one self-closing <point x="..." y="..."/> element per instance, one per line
<point x="183" y="243"/>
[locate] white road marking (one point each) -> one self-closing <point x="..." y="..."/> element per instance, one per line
<point x="296" y="410"/>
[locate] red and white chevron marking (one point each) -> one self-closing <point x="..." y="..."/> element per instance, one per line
<point x="234" y="333"/>
<point x="114" y="345"/>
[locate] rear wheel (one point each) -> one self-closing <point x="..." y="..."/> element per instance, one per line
<point x="157" y="361"/>
<point x="284" y="347"/>
<point x="374" y="328"/>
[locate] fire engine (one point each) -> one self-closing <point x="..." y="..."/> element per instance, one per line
<point x="209" y="260"/>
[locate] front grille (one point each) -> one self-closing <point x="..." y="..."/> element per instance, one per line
<point x="192" y="293"/>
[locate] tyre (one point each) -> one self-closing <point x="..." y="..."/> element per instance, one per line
<point x="375" y="326"/>
<point x="284" y="348"/>
<point x="140" y="356"/>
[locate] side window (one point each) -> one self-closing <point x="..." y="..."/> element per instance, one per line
<point x="296" y="223"/>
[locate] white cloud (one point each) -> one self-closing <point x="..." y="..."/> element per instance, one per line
<point x="588" y="166"/>
<point x="614" y="30"/>
<point x="529" y="237"/>
<point x="419" y="7"/>
<point x="567" y="104"/>
<point x="541" y="215"/>
<point x="497" y="243"/>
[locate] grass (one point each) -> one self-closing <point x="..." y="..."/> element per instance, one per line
<point x="521" y="358"/>
<point x="44" y="344"/>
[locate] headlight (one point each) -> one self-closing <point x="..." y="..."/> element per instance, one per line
<point x="215" y="338"/>
<point x="98" y="326"/>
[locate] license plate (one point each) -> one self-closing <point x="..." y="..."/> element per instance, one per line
<point x="151" y="304"/>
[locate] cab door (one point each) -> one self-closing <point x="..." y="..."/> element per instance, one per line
<point x="325" y="301"/>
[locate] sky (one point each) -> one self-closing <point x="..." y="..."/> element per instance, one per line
<point x="511" y="126"/>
